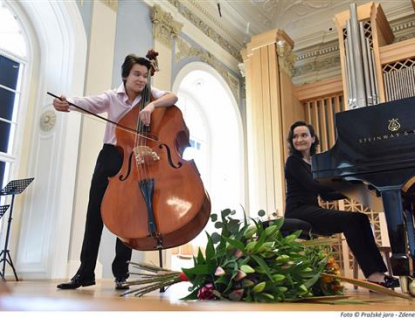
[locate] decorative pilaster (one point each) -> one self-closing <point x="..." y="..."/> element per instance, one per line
<point x="164" y="27"/>
<point x="286" y="58"/>
<point x="268" y="63"/>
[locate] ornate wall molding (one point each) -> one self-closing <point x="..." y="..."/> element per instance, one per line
<point x="242" y="69"/>
<point x="201" y="8"/>
<point x="164" y="27"/>
<point x="404" y="31"/>
<point x="403" y="26"/>
<point x="206" y="29"/>
<point x="47" y="120"/>
<point x="286" y="58"/>
<point x="317" y="65"/>
<point x="186" y="50"/>
<point x="405" y="37"/>
<point x="320" y="52"/>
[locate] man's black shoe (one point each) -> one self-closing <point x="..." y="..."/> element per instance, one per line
<point x="76" y="282"/>
<point x="121" y="283"/>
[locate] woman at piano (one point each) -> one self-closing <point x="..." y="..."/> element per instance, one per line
<point x="302" y="203"/>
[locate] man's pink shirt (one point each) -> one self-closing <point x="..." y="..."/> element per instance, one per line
<point x="113" y="102"/>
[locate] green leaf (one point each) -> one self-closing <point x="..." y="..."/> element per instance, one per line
<point x="250" y="231"/>
<point x="277" y="222"/>
<point x="225" y="213"/>
<point x="290" y="238"/>
<point x="198" y="281"/>
<point x="282" y="289"/>
<point x="263" y="265"/>
<point x="245" y="218"/>
<point x="234" y="272"/>
<point x="277" y="278"/>
<point x="237" y="244"/>
<point x="247" y="283"/>
<point x="200" y="269"/>
<point x="200" y="258"/>
<point x="223" y="280"/>
<point x="215" y="238"/>
<point x="310" y="282"/>
<point x="258" y="287"/>
<point x="233" y="226"/>
<point x="218" y="225"/>
<point x="270" y="231"/>
<point x="259" y="226"/>
<point x="260" y="241"/>
<point x="219" y="254"/>
<point x="282" y="259"/>
<point x="247" y="269"/>
<point x="213" y="217"/>
<point x="268" y="296"/>
<point x="191" y="296"/>
<point x="261" y="213"/>
<point x="302" y="289"/>
<point x="250" y="246"/>
<point x="210" y="250"/>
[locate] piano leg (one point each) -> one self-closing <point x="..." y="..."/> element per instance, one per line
<point x="392" y="202"/>
<point x="408" y="283"/>
<point x="410" y="230"/>
<point x="403" y="281"/>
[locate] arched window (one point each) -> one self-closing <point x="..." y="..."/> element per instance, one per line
<point x="13" y="57"/>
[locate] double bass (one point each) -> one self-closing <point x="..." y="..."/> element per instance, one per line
<point x="157" y="199"/>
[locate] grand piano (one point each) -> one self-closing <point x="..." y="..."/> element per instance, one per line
<point x="375" y="146"/>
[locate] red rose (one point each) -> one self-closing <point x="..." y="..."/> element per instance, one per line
<point x="206" y="292"/>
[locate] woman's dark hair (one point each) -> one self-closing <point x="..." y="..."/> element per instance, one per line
<point x="291" y="148"/>
<point x="129" y="62"/>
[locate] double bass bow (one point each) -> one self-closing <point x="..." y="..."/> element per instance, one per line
<point x="157" y="200"/>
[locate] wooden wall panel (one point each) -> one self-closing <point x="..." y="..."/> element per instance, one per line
<point x="269" y="89"/>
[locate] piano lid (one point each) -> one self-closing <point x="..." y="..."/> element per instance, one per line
<point x="370" y="140"/>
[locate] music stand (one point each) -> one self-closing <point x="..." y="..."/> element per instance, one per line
<point x="3" y="209"/>
<point x="12" y="188"/>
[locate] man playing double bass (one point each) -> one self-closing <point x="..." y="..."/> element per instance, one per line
<point x="116" y="103"/>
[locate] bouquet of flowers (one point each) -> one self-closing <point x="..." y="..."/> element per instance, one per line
<point x="250" y="263"/>
<point x="253" y="263"/>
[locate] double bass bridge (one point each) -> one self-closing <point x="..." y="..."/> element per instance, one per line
<point x="145" y="155"/>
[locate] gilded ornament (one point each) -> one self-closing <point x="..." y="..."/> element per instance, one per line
<point x="164" y="26"/>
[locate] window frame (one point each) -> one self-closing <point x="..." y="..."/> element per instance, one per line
<point x="17" y="122"/>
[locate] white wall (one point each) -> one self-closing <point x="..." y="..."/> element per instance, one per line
<point x="57" y="64"/>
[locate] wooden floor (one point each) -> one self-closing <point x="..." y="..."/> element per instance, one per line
<point x="44" y="296"/>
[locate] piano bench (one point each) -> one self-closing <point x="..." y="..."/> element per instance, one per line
<point x="385" y="252"/>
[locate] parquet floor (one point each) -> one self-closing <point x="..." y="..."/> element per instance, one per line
<point x="44" y="296"/>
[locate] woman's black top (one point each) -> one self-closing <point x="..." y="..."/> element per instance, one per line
<point x="302" y="189"/>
